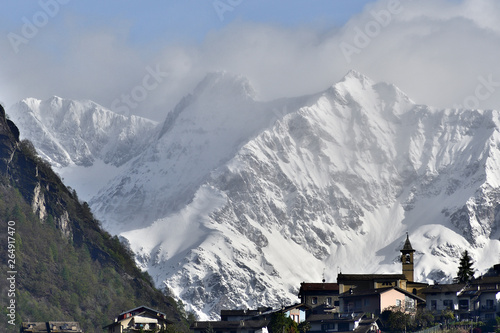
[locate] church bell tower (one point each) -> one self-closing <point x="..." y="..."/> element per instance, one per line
<point x="407" y="259"/>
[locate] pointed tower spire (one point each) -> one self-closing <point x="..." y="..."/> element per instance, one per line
<point x="407" y="246"/>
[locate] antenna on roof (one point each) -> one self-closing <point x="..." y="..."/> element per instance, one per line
<point x="323" y="275"/>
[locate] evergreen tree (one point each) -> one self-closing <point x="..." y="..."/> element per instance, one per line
<point x="304" y="327"/>
<point x="465" y="271"/>
<point x="280" y="323"/>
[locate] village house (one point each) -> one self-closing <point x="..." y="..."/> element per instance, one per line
<point x="377" y="300"/>
<point x="320" y="297"/>
<point x="138" y="319"/>
<point x="479" y="299"/>
<point x="342" y="323"/>
<point x="238" y="326"/>
<point x="51" y="327"/>
<point x="486" y="301"/>
<point x="248" y="321"/>
<point x="441" y="297"/>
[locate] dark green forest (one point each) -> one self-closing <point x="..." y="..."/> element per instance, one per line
<point x="67" y="267"/>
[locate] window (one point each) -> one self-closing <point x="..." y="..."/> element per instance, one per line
<point x="448" y="304"/>
<point x="409" y="303"/>
<point x="489" y="304"/>
<point x="463" y="304"/>
<point x="328" y="301"/>
<point x="433" y="304"/>
<point x="343" y="327"/>
<point x="325" y="327"/>
<point x="314" y="300"/>
<point x="398" y="302"/>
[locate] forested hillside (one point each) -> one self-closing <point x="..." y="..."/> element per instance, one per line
<point x="63" y="266"/>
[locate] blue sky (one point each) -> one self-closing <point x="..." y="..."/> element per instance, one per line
<point x="440" y="52"/>
<point x="169" y="21"/>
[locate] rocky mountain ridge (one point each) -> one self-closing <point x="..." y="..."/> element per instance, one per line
<point x="81" y="132"/>
<point x="237" y="201"/>
<point x="62" y="265"/>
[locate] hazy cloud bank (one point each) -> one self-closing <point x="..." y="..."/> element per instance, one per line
<point x="442" y="53"/>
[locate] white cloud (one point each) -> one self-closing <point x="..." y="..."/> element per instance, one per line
<point x="436" y="51"/>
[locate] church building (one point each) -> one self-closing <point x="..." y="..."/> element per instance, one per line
<point x="357" y="289"/>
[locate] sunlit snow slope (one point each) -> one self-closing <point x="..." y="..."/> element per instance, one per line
<point x="82" y="140"/>
<point x="234" y="202"/>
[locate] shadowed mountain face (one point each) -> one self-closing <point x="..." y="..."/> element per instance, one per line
<point x="235" y="201"/>
<point x="65" y="266"/>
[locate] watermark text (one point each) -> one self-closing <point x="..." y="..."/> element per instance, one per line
<point x="485" y="88"/>
<point x="223" y="6"/>
<point x="31" y="27"/>
<point x="363" y="36"/>
<point x="11" y="272"/>
<point x="150" y="81"/>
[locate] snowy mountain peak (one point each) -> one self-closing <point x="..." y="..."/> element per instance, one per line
<point x="358" y="89"/>
<point x="224" y="84"/>
<point x="68" y="132"/>
<point x="233" y="202"/>
<point x="355" y="76"/>
<point x="220" y="94"/>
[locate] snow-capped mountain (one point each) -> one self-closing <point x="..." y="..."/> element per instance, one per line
<point x="233" y="202"/>
<point x="204" y="131"/>
<point x="79" y="132"/>
<point x="80" y="138"/>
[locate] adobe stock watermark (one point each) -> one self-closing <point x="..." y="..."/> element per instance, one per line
<point x="11" y="273"/>
<point x="483" y="91"/>
<point x="31" y="27"/>
<point x="363" y="36"/>
<point x="150" y="81"/>
<point x="223" y="6"/>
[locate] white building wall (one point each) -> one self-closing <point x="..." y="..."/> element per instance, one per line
<point x="440" y="301"/>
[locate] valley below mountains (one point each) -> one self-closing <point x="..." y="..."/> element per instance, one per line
<point x="231" y="202"/>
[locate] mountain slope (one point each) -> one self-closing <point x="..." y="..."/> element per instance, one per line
<point x="204" y="131"/>
<point x="65" y="266"/>
<point x="333" y="186"/>
<point x="79" y="132"/>
<point x="237" y="201"/>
